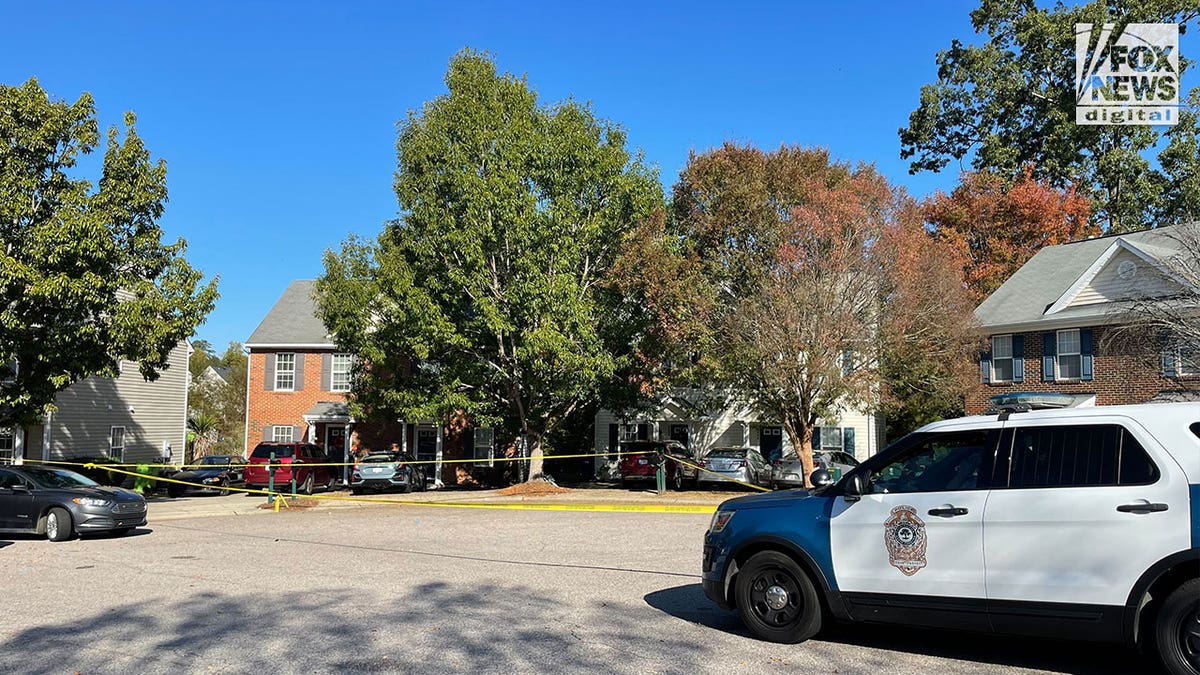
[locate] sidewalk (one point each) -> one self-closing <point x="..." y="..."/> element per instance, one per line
<point x="165" y="508"/>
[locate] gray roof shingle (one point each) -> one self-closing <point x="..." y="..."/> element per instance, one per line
<point x="293" y="320"/>
<point x="1052" y="271"/>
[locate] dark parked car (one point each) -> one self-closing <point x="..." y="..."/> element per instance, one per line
<point x="289" y="457"/>
<point x="788" y="471"/>
<point x="380" y="471"/>
<point x="211" y="475"/>
<point x="644" y="466"/>
<point x="60" y="503"/>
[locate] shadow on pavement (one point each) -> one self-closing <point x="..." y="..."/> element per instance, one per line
<point x="690" y="604"/>
<point x="434" y="627"/>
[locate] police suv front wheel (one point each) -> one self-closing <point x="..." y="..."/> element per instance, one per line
<point x="776" y="599"/>
<point x="1177" y="630"/>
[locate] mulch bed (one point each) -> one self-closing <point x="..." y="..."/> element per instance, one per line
<point x="533" y="489"/>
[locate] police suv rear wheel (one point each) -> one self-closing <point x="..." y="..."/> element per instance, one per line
<point x="1177" y="630"/>
<point x="776" y="599"/>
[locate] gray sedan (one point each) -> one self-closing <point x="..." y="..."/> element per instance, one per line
<point x="743" y="465"/>
<point x="60" y="503"/>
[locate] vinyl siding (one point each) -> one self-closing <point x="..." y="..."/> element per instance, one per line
<point x="1108" y="286"/>
<point x="153" y="413"/>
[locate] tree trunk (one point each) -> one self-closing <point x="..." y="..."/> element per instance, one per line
<point x="800" y="434"/>
<point x="534" y="442"/>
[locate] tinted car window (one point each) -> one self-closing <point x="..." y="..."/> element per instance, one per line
<point x="728" y="454"/>
<point x="217" y="460"/>
<point x="1084" y="455"/>
<point x="264" y="451"/>
<point x="9" y="480"/>
<point x="1196" y="429"/>
<point x="380" y="458"/>
<point x="942" y="462"/>
<point x="58" y="478"/>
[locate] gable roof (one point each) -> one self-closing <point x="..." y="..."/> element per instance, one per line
<point x="221" y="372"/>
<point x="1039" y="294"/>
<point x="292" y="322"/>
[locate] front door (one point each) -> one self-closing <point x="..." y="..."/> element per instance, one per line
<point x="426" y="444"/>
<point x="335" y="447"/>
<point x="679" y="432"/>
<point x="911" y="548"/>
<point x="1087" y="509"/>
<point x="771" y="443"/>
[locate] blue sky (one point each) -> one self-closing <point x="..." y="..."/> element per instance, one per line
<point x="278" y="120"/>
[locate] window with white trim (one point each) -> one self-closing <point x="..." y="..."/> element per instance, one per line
<point x="285" y="372"/>
<point x="8" y="444"/>
<point x="627" y="432"/>
<point x="483" y="445"/>
<point x="282" y="433"/>
<point x="1069" y="360"/>
<point x="116" y="443"/>
<point x="340" y="373"/>
<point x="1187" y="362"/>
<point x="10" y="371"/>
<point x="831" y="438"/>
<point x="1002" y="358"/>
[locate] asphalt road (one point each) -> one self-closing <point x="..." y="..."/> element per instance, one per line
<point x="419" y="589"/>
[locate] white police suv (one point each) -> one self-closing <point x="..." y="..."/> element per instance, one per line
<point x="1080" y="523"/>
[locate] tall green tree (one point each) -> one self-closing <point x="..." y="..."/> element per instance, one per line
<point x="489" y="294"/>
<point x="1010" y="102"/>
<point x="85" y="279"/>
<point x="222" y="402"/>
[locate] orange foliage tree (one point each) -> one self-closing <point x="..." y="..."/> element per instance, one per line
<point x="997" y="226"/>
<point x="794" y="281"/>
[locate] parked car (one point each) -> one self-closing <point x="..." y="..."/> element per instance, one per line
<point x="289" y="457"/>
<point x="60" y="503"/>
<point x="1071" y="523"/>
<point x="643" y="466"/>
<point x="788" y="471"/>
<point x="741" y="464"/>
<point x="379" y="471"/>
<point x="212" y="474"/>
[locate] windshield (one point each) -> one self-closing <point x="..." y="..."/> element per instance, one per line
<point x="214" y="460"/>
<point x="58" y="478"/>
<point x="727" y="454"/>
<point x="264" y="451"/>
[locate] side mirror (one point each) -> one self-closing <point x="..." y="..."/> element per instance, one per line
<point x="821" y="478"/>
<point x="855" y="487"/>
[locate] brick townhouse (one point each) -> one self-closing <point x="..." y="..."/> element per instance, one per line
<point x="298" y="386"/>
<point x="1055" y="325"/>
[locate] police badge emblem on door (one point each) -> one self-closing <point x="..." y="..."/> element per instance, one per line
<point x="904" y="536"/>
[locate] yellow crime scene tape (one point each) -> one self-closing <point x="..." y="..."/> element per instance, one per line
<point x="280" y="497"/>
<point x="416" y="461"/>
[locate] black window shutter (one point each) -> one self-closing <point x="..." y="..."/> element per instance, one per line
<point x="326" y="372"/>
<point x="643" y="431"/>
<point x="613" y="438"/>
<point x="1086" y="361"/>
<point x="816" y="439"/>
<point x="297" y="433"/>
<point x="1018" y="349"/>
<point x="985" y="367"/>
<point x="298" y="359"/>
<point x="268" y="433"/>
<point x="848" y="440"/>
<point x="269" y="373"/>
<point x="1049" y="350"/>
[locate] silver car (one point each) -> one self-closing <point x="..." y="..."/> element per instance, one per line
<point x="744" y="465"/>
<point x="379" y="471"/>
<point x="788" y="471"/>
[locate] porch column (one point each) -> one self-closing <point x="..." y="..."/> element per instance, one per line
<point x="312" y="431"/>
<point x="18" y="445"/>
<point x="403" y="436"/>
<point x="46" y="427"/>
<point x="438" y="456"/>
<point x="745" y="434"/>
<point x="346" y="454"/>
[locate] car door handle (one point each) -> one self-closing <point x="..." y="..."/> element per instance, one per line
<point x="1142" y="507"/>
<point x="948" y="511"/>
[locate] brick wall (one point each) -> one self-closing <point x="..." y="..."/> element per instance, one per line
<point x="1124" y="372"/>
<point x="268" y="408"/>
